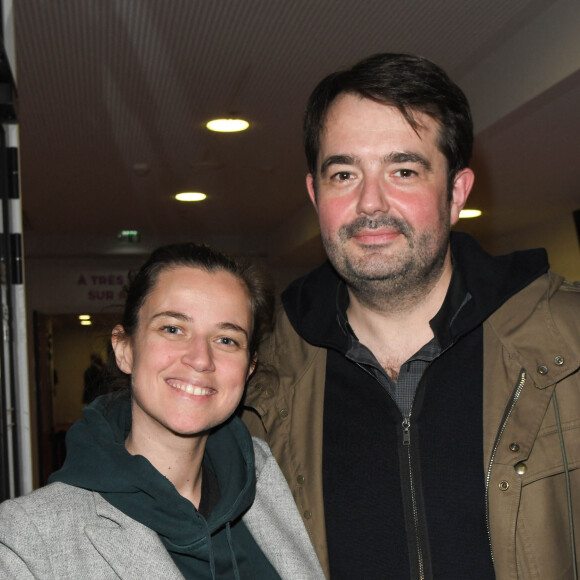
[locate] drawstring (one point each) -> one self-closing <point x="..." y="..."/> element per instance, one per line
<point x="230" y="544"/>
<point x="232" y="554"/>
<point x="568" y="487"/>
<point x="211" y="556"/>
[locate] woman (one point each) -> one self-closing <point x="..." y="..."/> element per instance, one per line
<point x="157" y="478"/>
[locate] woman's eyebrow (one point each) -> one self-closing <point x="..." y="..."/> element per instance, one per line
<point x="233" y="326"/>
<point x="185" y="318"/>
<point x="172" y="314"/>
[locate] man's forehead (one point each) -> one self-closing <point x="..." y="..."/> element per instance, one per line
<point x="424" y="126"/>
<point x="416" y="119"/>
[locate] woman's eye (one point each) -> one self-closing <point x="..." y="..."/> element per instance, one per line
<point x="228" y="341"/>
<point x="171" y="329"/>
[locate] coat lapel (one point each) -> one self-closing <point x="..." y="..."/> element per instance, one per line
<point x="131" y="549"/>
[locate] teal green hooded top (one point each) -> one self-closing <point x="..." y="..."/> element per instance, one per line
<point x="214" y="548"/>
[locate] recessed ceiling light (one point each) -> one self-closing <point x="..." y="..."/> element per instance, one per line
<point x="469" y="213"/>
<point x="227" y="125"/>
<point x="86" y="323"/>
<point x="84" y="316"/>
<point x="191" y="196"/>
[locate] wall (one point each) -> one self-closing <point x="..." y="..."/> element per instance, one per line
<point x="92" y="285"/>
<point x="557" y="235"/>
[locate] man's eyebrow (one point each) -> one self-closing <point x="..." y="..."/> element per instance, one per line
<point x="336" y="160"/>
<point x="408" y="157"/>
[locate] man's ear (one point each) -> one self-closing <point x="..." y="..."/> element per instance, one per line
<point x="311" y="187"/>
<point x="123" y="349"/>
<point x="462" y="184"/>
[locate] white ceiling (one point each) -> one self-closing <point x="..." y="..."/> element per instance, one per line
<point x="109" y="87"/>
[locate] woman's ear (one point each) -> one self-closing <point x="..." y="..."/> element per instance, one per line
<point x="252" y="366"/>
<point x="123" y="349"/>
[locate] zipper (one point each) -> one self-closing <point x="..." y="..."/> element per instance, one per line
<point x="406" y="425"/>
<point x="407" y="443"/>
<point x="407" y="431"/>
<point x="507" y="414"/>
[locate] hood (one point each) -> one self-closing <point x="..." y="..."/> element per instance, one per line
<point x="311" y="301"/>
<point x="97" y="460"/>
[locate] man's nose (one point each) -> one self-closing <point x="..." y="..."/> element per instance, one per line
<point x="373" y="196"/>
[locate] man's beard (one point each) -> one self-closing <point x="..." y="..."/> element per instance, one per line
<point x="396" y="280"/>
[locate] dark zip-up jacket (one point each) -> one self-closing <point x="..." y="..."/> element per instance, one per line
<point x="481" y="432"/>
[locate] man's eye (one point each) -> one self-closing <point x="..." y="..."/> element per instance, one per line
<point x="406" y="173"/>
<point x="342" y="176"/>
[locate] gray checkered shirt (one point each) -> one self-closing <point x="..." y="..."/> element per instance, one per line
<point x="403" y="389"/>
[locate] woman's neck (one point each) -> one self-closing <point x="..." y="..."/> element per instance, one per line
<point x="176" y="457"/>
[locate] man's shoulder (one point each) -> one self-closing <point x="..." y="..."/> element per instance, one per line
<point x="564" y="300"/>
<point x="546" y="311"/>
<point x="572" y="287"/>
<point x="284" y="360"/>
<point x="554" y="290"/>
<point x="548" y="290"/>
<point x="284" y="344"/>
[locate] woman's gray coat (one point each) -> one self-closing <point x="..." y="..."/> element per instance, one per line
<point x="61" y="532"/>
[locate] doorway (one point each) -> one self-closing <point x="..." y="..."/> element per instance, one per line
<point x="63" y="351"/>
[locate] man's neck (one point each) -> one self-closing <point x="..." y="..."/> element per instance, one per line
<point x="397" y="327"/>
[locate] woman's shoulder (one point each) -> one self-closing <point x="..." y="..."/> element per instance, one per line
<point x="261" y="452"/>
<point x="265" y="463"/>
<point x="51" y="503"/>
<point x="275" y="522"/>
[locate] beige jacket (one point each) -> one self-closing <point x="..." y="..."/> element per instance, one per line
<point x="531" y="362"/>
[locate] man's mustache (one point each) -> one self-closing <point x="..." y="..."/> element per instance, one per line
<point x="365" y="223"/>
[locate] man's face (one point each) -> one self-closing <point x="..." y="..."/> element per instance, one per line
<point x="381" y="193"/>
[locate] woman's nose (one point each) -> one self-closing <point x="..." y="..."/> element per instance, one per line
<point x="199" y="355"/>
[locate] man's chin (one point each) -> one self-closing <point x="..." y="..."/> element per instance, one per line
<point x="372" y="268"/>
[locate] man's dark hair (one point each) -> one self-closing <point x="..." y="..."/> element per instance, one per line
<point x="409" y="83"/>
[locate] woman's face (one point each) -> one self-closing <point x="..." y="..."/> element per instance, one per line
<point x="189" y="357"/>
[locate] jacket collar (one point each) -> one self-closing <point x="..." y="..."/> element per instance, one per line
<point x="131" y="549"/>
<point x="311" y="301"/>
<point x="491" y="280"/>
<point x="97" y="460"/>
<point x="547" y="350"/>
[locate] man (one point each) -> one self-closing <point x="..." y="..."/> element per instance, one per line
<point x="94" y="379"/>
<point x="421" y="396"/>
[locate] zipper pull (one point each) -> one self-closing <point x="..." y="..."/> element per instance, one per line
<point x="406" y="431"/>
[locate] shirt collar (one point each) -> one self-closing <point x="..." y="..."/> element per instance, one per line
<point x="457" y="296"/>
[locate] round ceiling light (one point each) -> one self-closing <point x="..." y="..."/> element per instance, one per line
<point x="469" y="213"/>
<point x="227" y="125"/>
<point x="191" y="196"/>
